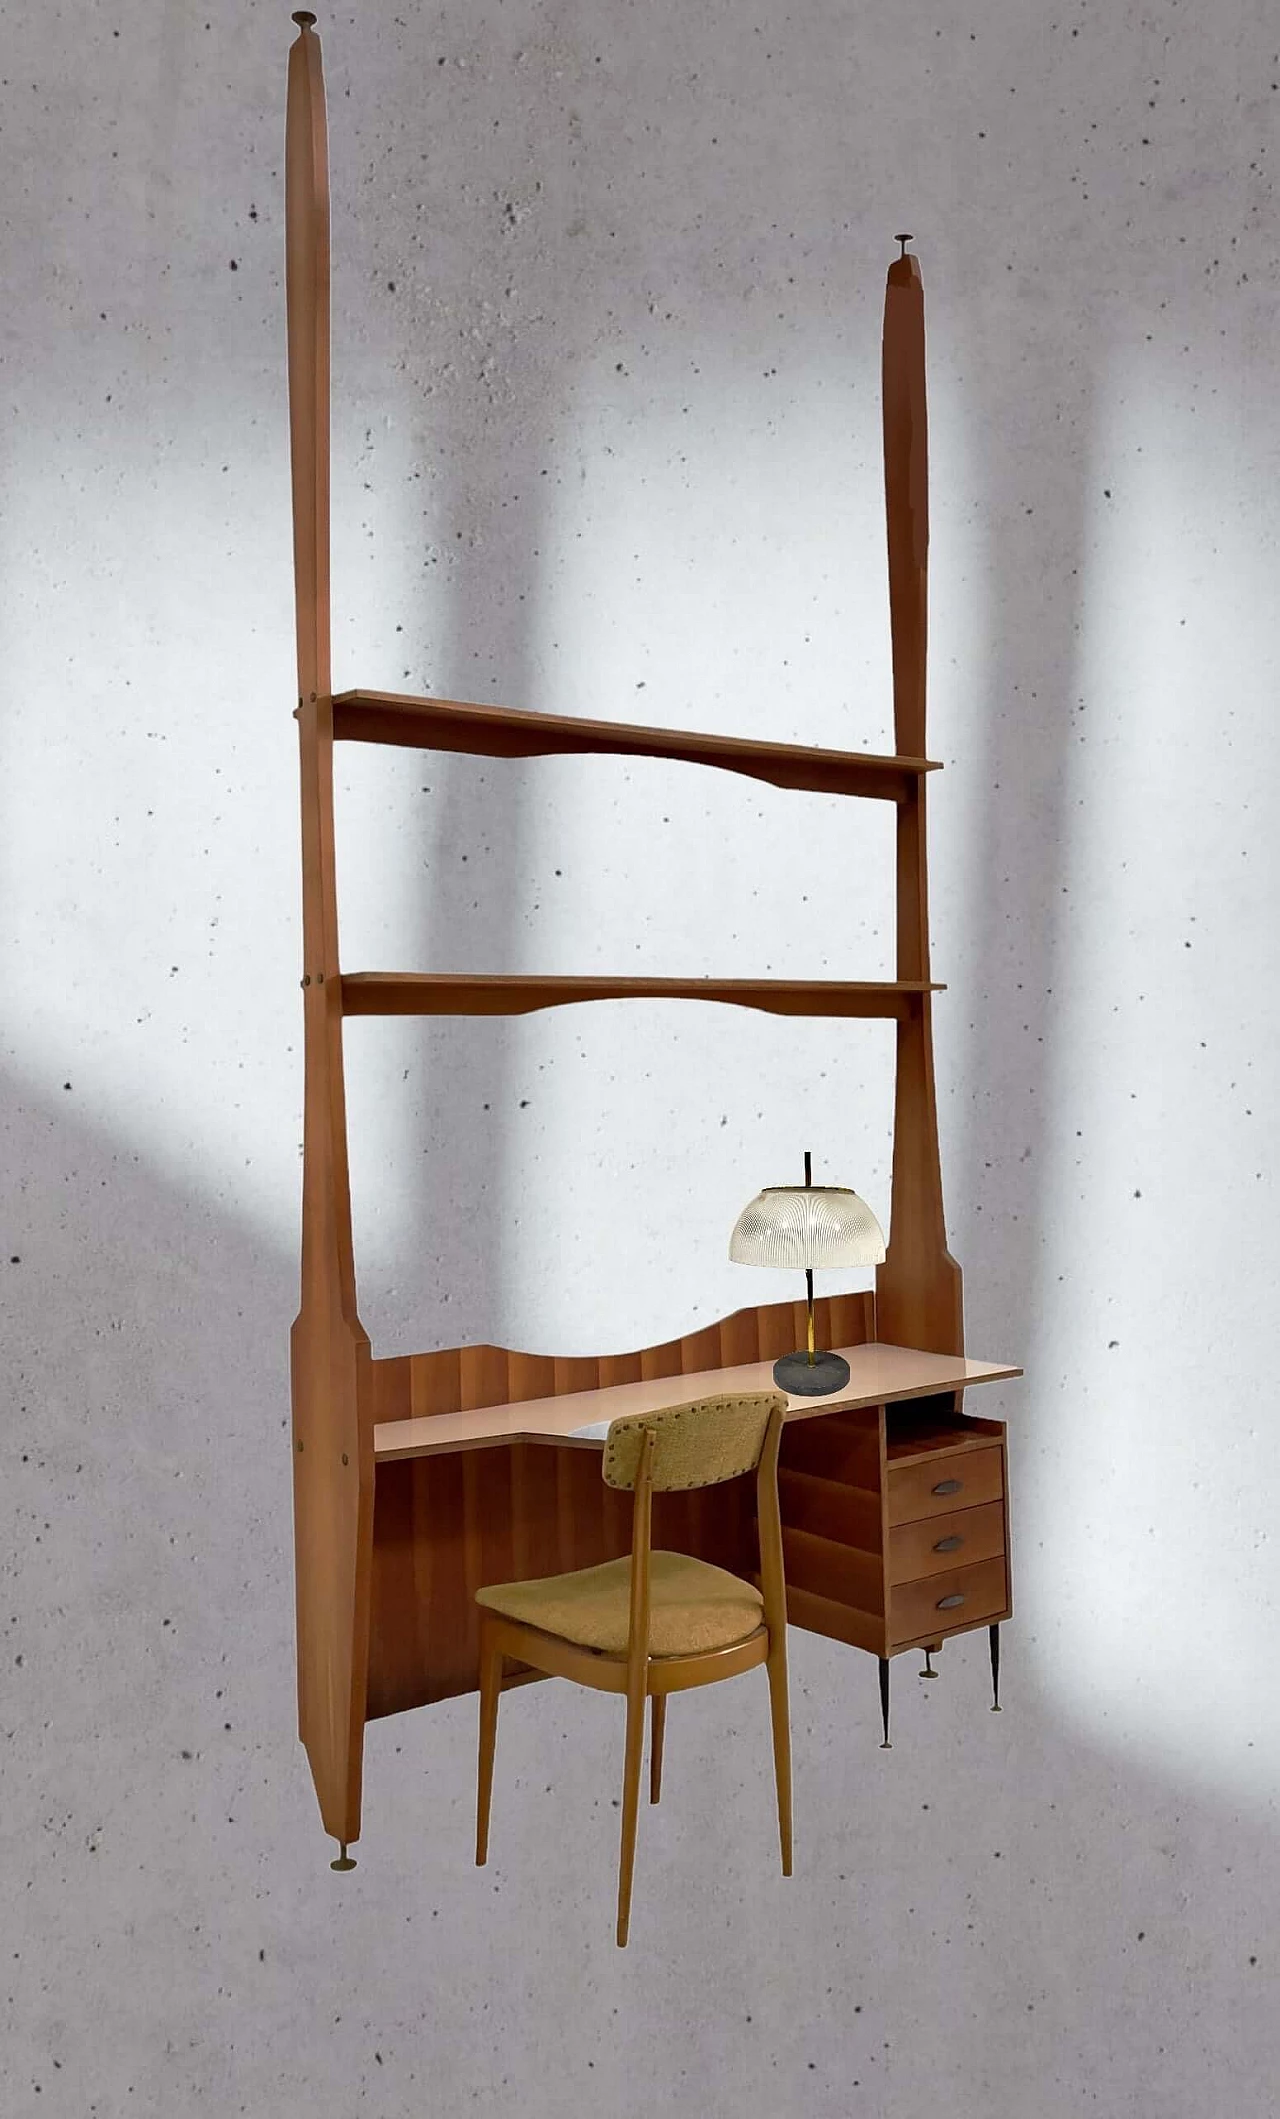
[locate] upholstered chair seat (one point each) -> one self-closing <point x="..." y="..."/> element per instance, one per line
<point x="693" y="1606"/>
<point x="653" y="1623"/>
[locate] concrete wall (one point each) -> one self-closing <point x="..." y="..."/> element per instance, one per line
<point x="607" y="298"/>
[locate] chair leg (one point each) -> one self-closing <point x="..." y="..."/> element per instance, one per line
<point x="490" y="1692"/>
<point x="630" y="1809"/>
<point x="659" y="1711"/>
<point x="780" y="1715"/>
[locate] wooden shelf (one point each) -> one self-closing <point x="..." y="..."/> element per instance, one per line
<point x="878" y="1375"/>
<point x="449" y="993"/>
<point x="507" y="732"/>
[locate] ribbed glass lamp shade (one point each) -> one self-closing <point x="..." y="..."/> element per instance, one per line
<point x="807" y="1226"/>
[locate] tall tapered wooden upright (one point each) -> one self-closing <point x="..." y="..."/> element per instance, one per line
<point x="387" y="1568"/>
<point x="331" y="1374"/>
<point x="918" y="1292"/>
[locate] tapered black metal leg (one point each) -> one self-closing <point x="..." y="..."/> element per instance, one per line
<point x="995" y="1669"/>
<point x="884" y="1701"/>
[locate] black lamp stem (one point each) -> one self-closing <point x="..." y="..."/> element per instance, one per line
<point x="808" y="1271"/>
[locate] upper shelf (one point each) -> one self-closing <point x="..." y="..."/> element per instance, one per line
<point x="506" y="732"/>
<point x="450" y="993"/>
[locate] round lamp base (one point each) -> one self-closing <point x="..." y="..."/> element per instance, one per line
<point x="803" y="1378"/>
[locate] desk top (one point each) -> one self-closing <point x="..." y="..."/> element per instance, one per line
<point x="878" y="1375"/>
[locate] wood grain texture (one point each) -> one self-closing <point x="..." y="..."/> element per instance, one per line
<point x="445" y="1524"/>
<point x="435" y="1386"/>
<point x="829" y="1509"/>
<point x="918" y="1288"/>
<point x="509" y="732"/>
<point x="838" y="1622"/>
<point x="395" y="1531"/>
<point x="878" y="1375"/>
<point x="929" y="1609"/>
<point x="931" y="1427"/>
<point x="938" y="1486"/>
<point x="330" y="1359"/>
<point x="841" y="1573"/>
<point x="931" y="1545"/>
<point x="466" y="993"/>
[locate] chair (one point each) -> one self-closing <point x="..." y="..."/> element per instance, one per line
<point x="656" y="1622"/>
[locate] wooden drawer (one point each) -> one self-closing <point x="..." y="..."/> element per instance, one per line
<point x="914" y="1613"/>
<point x="967" y="1536"/>
<point x="937" y="1486"/>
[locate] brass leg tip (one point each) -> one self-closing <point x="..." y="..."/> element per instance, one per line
<point x="344" y="1862"/>
<point x="997" y="1709"/>
<point x="886" y="1746"/>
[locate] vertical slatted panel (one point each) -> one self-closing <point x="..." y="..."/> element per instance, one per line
<point x="444" y="1526"/>
<point x="417" y="1385"/>
<point x="486" y="1508"/>
<point x="530" y="1376"/>
<point x="435" y="1384"/>
<point x="576" y="1375"/>
<point x="618" y="1368"/>
<point x="662" y="1360"/>
<point x="740" y="1339"/>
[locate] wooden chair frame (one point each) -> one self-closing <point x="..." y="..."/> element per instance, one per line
<point x="642" y="1676"/>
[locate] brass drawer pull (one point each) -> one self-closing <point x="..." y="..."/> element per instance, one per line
<point x="947" y="1486"/>
<point x="950" y="1603"/>
<point x="952" y="1544"/>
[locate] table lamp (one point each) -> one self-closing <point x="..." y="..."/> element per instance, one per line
<point x="808" y="1225"/>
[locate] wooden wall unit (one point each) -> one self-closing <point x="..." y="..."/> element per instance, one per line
<point x="391" y="1549"/>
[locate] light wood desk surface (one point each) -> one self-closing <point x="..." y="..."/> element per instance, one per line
<point x="878" y="1375"/>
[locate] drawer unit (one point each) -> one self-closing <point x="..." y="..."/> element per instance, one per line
<point x="936" y="1544"/>
<point x="940" y="1486"/>
<point x="913" y="1558"/>
<point x="927" y="1610"/>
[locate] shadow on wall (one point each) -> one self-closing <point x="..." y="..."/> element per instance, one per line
<point x="1103" y="1929"/>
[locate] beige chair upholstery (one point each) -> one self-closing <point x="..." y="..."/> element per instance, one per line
<point x="693" y="1445"/>
<point x="654" y="1623"/>
<point x="693" y="1606"/>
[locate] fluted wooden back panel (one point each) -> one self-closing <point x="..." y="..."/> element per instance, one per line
<point x="445" y="1526"/>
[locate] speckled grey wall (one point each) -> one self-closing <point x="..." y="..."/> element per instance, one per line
<point x="607" y="296"/>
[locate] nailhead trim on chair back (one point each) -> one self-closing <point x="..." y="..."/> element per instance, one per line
<point x="694" y="1445"/>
